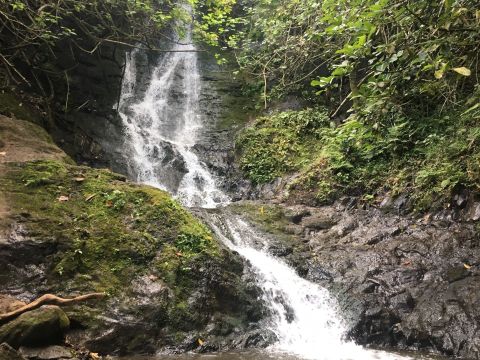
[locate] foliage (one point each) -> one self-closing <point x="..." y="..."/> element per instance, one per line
<point x="429" y="159"/>
<point x="31" y="29"/>
<point x="399" y="80"/>
<point x="378" y="53"/>
<point x="279" y="144"/>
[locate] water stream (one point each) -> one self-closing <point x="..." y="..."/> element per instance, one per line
<point x="162" y="126"/>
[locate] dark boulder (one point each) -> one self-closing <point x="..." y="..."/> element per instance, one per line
<point x="43" y="326"/>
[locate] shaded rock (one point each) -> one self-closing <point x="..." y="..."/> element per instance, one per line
<point x="473" y="212"/>
<point x="8" y="353"/>
<point x="295" y="214"/>
<point x="456" y="273"/>
<point x="319" y="221"/>
<point x="259" y="339"/>
<point x="317" y="274"/>
<point x="42" y="326"/>
<point x="53" y="352"/>
<point x="399" y="281"/>
<point x="386" y="204"/>
<point x="293" y="229"/>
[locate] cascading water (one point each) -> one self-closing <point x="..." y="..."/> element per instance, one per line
<point x="162" y="126"/>
<point x="304" y="316"/>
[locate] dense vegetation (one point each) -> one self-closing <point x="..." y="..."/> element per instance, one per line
<point x="397" y="85"/>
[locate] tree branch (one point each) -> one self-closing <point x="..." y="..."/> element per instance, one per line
<point x="47" y="299"/>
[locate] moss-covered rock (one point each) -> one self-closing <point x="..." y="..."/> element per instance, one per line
<point x="43" y="326"/>
<point x="105" y="229"/>
<point x="72" y="229"/>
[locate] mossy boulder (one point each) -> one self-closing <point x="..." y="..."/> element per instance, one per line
<point x="43" y="326"/>
<point x="72" y="229"/>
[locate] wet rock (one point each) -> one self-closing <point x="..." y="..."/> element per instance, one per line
<point x="399" y="281"/>
<point x="473" y="213"/>
<point x="456" y="273"/>
<point x="293" y="229"/>
<point x="54" y="352"/>
<point x="319" y="221"/>
<point x="295" y="214"/>
<point x="401" y="202"/>
<point x="280" y="250"/>
<point x="9" y="353"/>
<point x="387" y="203"/>
<point x="318" y="274"/>
<point x="259" y="339"/>
<point x="43" y="326"/>
<point x="460" y="200"/>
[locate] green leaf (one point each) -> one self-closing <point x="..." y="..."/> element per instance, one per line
<point x="440" y="72"/>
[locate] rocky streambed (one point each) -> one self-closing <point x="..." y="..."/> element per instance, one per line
<point x="402" y="281"/>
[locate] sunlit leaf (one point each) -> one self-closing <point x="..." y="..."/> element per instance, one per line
<point x="462" y="71"/>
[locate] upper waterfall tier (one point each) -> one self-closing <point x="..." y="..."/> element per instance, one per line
<point x="162" y="125"/>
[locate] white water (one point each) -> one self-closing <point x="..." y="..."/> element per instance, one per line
<point x="304" y="316"/>
<point x="167" y="117"/>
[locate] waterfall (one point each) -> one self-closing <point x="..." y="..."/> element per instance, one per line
<point x="162" y="125"/>
<point x="305" y="318"/>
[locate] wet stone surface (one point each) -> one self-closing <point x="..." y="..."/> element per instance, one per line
<point x="403" y="281"/>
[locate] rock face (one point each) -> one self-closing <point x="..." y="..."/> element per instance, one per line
<point x="9" y="303"/>
<point x="401" y="281"/>
<point x="53" y="352"/>
<point x="9" y="353"/>
<point x="44" y="326"/>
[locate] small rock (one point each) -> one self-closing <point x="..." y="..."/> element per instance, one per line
<point x="474" y="212"/>
<point x="54" y="352"/>
<point x="8" y="353"/>
<point x="296" y="214"/>
<point x="280" y="250"/>
<point x="293" y="229"/>
<point x="318" y="222"/>
<point x="43" y="326"/>
<point x="456" y="273"/>
<point x="260" y="339"/>
<point x="386" y="203"/>
<point x="460" y="200"/>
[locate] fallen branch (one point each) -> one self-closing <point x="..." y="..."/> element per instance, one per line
<point x="47" y="299"/>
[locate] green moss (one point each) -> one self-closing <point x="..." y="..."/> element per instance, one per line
<point x="107" y="230"/>
<point x="280" y="144"/>
<point x="271" y="217"/>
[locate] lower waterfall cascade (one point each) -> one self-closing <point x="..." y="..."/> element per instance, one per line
<point x="162" y="125"/>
